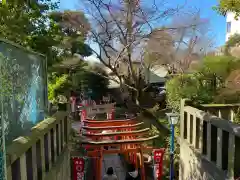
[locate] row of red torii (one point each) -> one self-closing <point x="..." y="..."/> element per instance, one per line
<point x="124" y="136"/>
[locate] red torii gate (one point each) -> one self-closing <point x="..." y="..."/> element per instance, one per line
<point x="127" y="133"/>
<point x="133" y="146"/>
<point x="128" y="140"/>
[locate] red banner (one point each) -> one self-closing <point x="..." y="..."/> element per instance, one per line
<point x="78" y="168"/>
<point x="158" y="162"/>
<point x="110" y="115"/>
<point x="83" y="115"/>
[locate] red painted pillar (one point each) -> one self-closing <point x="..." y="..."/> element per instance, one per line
<point x="116" y="137"/>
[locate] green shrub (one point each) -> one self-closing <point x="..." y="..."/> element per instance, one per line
<point x="206" y="85"/>
<point x="56" y="83"/>
<point x="187" y="86"/>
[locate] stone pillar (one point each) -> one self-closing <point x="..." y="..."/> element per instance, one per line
<point x="209" y="141"/>
<point x="232" y="114"/>
<point x="194" y="131"/>
<point x="219" y="113"/>
<point x="219" y="148"/>
<point x="188" y="127"/>
<point x="59" y="138"/>
<point x="34" y="161"/>
<point x="23" y="166"/>
<point x="9" y="172"/>
<point x="182" y="105"/>
<point x="231" y="156"/>
<point x="55" y="144"/>
<point x="49" y="150"/>
<point x="201" y="135"/>
<point x="43" y="157"/>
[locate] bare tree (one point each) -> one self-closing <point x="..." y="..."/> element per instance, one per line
<point x="121" y="29"/>
<point x="177" y="48"/>
<point x="192" y="41"/>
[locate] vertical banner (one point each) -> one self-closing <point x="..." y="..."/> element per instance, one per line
<point x="83" y="115"/>
<point x="158" y="163"/>
<point x="78" y="168"/>
<point x="110" y="115"/>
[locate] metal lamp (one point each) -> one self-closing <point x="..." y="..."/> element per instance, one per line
<point x="173" y="119"/>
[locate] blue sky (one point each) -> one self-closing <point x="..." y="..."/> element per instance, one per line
<point x="217" y="22"/>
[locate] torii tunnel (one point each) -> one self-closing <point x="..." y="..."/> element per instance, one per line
<point x="126" y="137"/>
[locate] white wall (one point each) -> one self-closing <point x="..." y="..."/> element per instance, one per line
<point x="235" y="25"/>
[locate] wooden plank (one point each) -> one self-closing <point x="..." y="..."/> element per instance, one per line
<point x="92" y="121"/>
<point x="113" y="142"/>
<point x="124" y="133"/>
<point x="116" y="151"/>
<point x="112" y="123"/>
<point x="112" y="127"/>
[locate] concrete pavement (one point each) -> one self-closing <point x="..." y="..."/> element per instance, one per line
<point x="114" y="161"/>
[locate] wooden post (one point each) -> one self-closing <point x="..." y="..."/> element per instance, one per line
<point x="100" y="163"/>
<point x="97" y="165"/>
<point x="142" y="164"/>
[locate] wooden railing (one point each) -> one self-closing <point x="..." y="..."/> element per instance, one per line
<point x="225" y="111"/>
<point x="36" y="157"/>
<point x="217" y="140"/>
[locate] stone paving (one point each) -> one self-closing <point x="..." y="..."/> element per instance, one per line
<point x="114" y="161"/>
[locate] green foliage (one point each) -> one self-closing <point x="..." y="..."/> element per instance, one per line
<point x="25" y="24"/>
<point x="237" y="116"/>
<point x="57" y="35"/>
<point x="33" y="25"/>
<point x="55" y="84"/>
<point x="74" y="27"/>
<point x="203" y="86"/>
<point x="233" y="41"/>
<point x="93" y="80"/>
<point x="186" y="86"/>
<point x="4" y="76"/>
<point x="83" y="78"/>
<point x="225" y="6"/>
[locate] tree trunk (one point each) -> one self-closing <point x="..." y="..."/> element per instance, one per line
<point x="137" y="97"/>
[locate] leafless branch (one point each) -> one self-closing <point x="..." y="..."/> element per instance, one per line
<point x="128" y="43"/>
